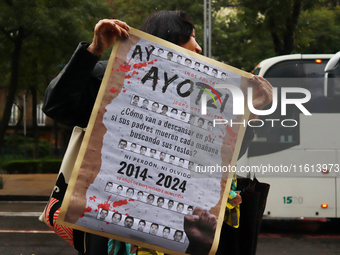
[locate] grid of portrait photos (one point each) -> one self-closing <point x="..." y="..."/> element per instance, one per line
<point x="138" y="224"/>
<point x="171" y="112"/>
<point x="157" y="155"/>
<point x="197" y="66"/>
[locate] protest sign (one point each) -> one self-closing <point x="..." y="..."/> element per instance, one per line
<point x="150" y="156"/>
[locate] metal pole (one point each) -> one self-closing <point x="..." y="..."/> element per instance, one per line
<point x="205" y="29"/>
<point x="209" y="29"/>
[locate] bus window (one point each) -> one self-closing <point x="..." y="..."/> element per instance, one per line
<point x="304" y="73"/>
<point x="334" y="90"/>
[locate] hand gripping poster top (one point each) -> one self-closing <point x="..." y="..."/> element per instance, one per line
<point x="153" y="166"/>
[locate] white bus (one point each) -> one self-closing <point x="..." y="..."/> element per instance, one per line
<point x="302" y="162"/>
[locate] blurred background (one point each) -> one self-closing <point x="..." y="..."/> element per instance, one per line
<point x="38" y="37"/>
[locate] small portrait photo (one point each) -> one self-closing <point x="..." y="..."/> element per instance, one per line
<point x="169" y="55"/>
<point x="180" y="207"/>
<point x="197" y="66"/>
<point x="116" y="217"/>
<point x="210" y="126"/>
<point x="154" y="106"/>
<point x="183" y="115"/>
<point x="191" y="165"/>
<point x="119" y="189"/>
<point x="164" y="110"/>
<point x="150" y="48"/>
<point x="128" y="222"/>
<point x="130" y="192"/>
<point x="141" y="225"/>
<point x="188" y="62"/>
<point x="160" y="201"/>
<point x="160" y="51"/>
<point x="122" y="144"/>
<point x="133" y="147"/>
<point x="108" y="186"/>
<point x="152" y="153"/>
<point x="214" y="72"/>
<point x="135" y="100"/>
<point x="145" y="104"/>
<point x="206" y="69"/>
<point x="172" y="159"/>
<point x="200" y="122"/>
<point x="140" y="195"/>
<point x="142" y="150"/>
<point x="181" y="162"/>
<point x="190" y="209"/>
<point x="178" y="235"/>
<point x="149" y="199"/>
<point x="153" y="229"/>
<point x="166" y="232"/>
<point x="192" y="119"/>
<point x="170" y="204"/>
<point x="224" y="76"/>
<point x="162" y="156"/>
<point x="103" y="214"/>
<point x="173" y="112"/>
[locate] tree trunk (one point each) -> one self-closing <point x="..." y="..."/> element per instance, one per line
<point x="12" y="88"/>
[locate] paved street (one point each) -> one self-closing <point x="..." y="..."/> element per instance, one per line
<point x="25" y="235"/>
<point x="22" y="234"/>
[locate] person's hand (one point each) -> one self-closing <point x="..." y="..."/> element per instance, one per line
<point x="236" y="200"/>
<point x="106" y="32"/>
<point x="262" y="94"/>
<point x="200" y="229"/>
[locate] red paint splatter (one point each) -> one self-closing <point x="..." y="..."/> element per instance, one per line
<point x="124" y="91"/>
<point x="113" y="90"/>
<point x="230" y="131"/>
<point x="87" y="209"/>
<point x="231" y="141"/>
<point x="125" y="68"/>
<point x="107" y="223"/>
<point x="119" y="203"/>
<point x="128" y="77"/>
<point x="105" y="205"/>
<point x="130" y="200"/>
<point x="116" y="59"/>
<point x="140" y="65"/>
<point x="126" y="214"/>
<point x="127" y="209"/>
<point x="220" y="136"/>
<point x="150" y="63"/>
<point x="117" y="70"/>
<point x="93" y="198"/>
<point x="134" y="72"/>
<point x="156" y="60"/>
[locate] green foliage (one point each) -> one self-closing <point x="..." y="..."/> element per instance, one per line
<point x="32" y="166"/>
<point x="236" y="45"/>
<point x="51" y="31"/>
<point x="318" y="31"/>
<point x="23" y="147"/>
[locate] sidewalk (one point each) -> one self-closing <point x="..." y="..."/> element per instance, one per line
<point x="27" y="185"/>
